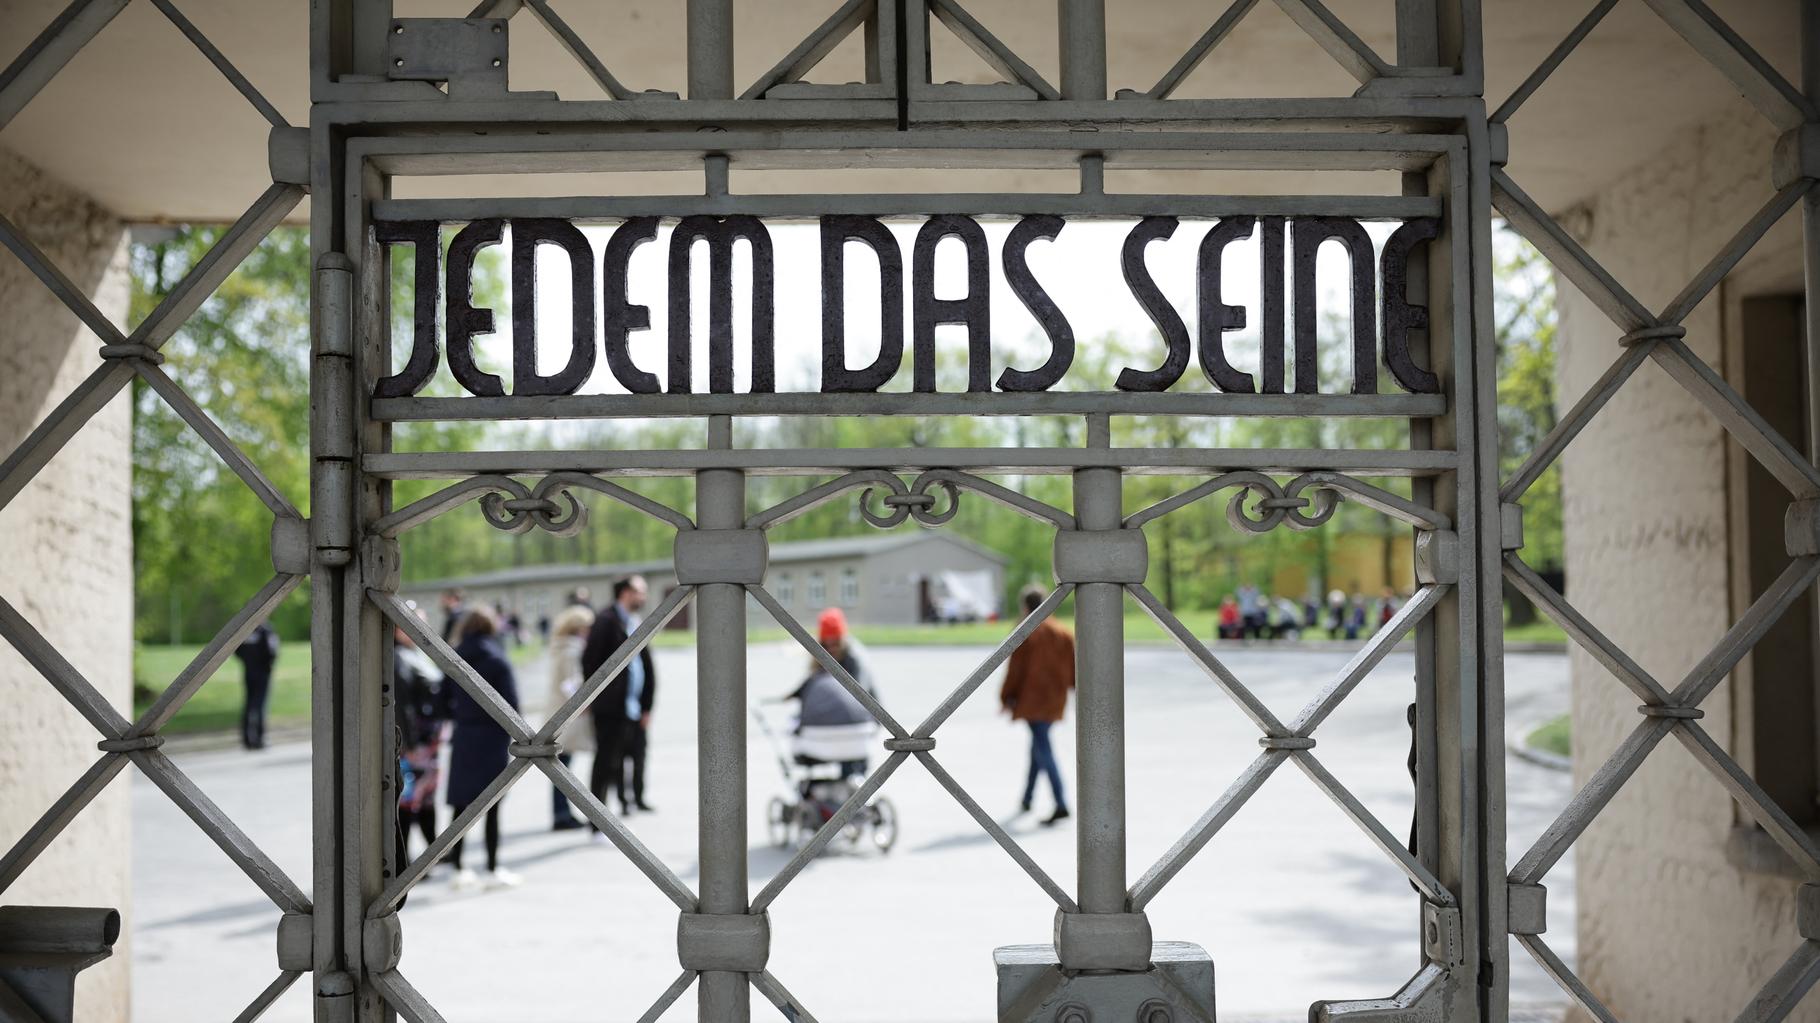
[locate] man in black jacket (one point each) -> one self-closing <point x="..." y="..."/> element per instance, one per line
<point x="257" y="653"/>
<point x="622" y="713"/>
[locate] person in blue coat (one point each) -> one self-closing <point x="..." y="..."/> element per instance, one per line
<point x="478" y="749"/>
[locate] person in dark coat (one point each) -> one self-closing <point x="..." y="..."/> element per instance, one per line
<point x="622" y="713"/>
<point x="479" y="745"/>
<point x="257" y="653"/>
<point x="1037" y="680"/>
<point x="420" y="707"/>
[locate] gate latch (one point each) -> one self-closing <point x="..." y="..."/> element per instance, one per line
<point x="468" y="54"/>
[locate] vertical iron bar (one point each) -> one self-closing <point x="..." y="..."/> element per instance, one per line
<point x="1810" y="253"/>
<point x="1099" y="653"/>
<point x="710" y="27"/>
<point x="1083" y="44"/>
<point x="720" y="665"/>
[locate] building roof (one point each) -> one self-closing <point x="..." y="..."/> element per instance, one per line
<point x="788" y="552"/>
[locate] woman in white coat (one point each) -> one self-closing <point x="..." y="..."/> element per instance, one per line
<point x="568" y="634"/>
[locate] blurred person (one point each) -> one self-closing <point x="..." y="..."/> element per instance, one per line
<point x="479" y="745"/>
<point x="832" y="725"/>
<point x="420" y="708"/>
<point x="454" y="606"/>
<point x="1387" y="607"/>
<point x="1251" y="611"/>
<point x="568" y="636"/>
<point x="1035" y="691"/>
<point x="622" y="714"/>
<point x="1231" y="625"/>
<point x="257" y="653"/>
<point x="1336" y="614"/>
<point x="1355" y="616"/>
<point x="581" y="596"/>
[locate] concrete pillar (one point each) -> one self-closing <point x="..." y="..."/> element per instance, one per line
<point x="1670" y="926"/>
<point x="66" y="562"/>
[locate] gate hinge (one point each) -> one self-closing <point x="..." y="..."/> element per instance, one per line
<point x="1441" y="939"/>
<point x="469" y="55"/>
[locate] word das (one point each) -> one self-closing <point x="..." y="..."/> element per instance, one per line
<point x="1375" y="289"/>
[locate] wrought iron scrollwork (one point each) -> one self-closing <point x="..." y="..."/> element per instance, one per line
<point x="916" y="501"/>
<point x="1282" y="505"/>
<point x="515" y="508"/>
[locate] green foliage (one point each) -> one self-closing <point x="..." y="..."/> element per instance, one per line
<point x="201" y="537"/>
<point x="1554" y="736"/>
<point x="1524" y="303"/>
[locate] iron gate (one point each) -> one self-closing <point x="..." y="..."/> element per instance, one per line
<point x="403" y="97"/>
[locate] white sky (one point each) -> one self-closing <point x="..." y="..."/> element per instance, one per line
<point x="1080" y="270"/>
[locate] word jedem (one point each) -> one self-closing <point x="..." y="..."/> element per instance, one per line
<point x="1299" y="238"/>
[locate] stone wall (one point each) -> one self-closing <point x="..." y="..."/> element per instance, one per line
<point x="66" y="561"/>
<point x="1669" y="929"/>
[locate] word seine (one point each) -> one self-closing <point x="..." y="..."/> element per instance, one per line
<point x="620" y="317"/>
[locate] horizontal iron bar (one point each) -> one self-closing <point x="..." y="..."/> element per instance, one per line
<point x="1048" y="403"/>
<point x="1003" y="461"/>
<point x="892" y="204"/>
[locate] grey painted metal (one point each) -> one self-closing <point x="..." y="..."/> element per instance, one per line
<point x="720" y="654"/>
<point x="1421" y="116"/>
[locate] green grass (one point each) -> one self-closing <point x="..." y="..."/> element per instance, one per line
<point x="1554" y="735"/>
<point x="216" y="706"/>
<point x="1542" y="630"/>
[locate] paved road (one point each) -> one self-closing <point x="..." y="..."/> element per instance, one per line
<point x="1291" y="899"/>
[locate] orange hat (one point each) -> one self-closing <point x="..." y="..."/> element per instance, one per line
<point x="832" y="625"/>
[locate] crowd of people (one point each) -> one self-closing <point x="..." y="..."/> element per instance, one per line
<point x="1251" y="614"/>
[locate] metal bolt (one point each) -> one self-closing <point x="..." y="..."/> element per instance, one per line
<point x="1073" y="1012"/>
<point x="398" y="30"/>
<point x="497" y="30"/>
<point x="1155" y="1011"/>
<point x="497" y="62"/>
<point x="398" y="63"/>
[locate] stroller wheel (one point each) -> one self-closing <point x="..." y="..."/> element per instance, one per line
<point x="884" y="824"/>
<point x="780" y="822"/>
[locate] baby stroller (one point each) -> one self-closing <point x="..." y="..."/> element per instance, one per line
<point x="824" y="766"/>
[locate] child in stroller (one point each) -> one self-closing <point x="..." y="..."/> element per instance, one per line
<point x="831" y="748"/>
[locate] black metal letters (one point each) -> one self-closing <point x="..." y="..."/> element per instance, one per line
<point x="720" y="234"/>
<point x="974" y="311"/>
<point x="1377" y="284"/>
<point x="1168" y="321"/>
<point x="425" y="238"/>
<point x="836" y="233"/>
<point x="526" y="236"/>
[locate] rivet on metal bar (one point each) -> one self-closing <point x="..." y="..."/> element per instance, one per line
<point x="1801" y="528"/>
<point x="1285" y="503"/>
<point x="296" y="942"/>
<point x="1438" y="555"/>
<point x="736" y="942"/>
<point x="1101" y="556"/>
<point x="382" y="943"/>
<point x="1102" y="941"/>
<point x="1286" y="742"/>
<point x="1655" y="710"/>
<point x="531" y="504"/>
<point x="1797" y="157"/>
<point x="913" y="744"/>
<point x="909" y="501"/>
<point x="130" y="745"/>
<point x="1441" y="940"/>
<point x="1807" y="911"/>
<point x="529" y="750"/>
<point x="1497" y="143"/>
<point x="380" y="563"/>
<point x="132" y="350"/>
<point x="737" y="556"/>
<point x="1527" y="908"/>
<point x="290" y="545"/>
<point x="1510" y="523"/>
<point x="1655" y="333"/>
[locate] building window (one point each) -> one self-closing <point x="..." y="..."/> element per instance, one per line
<point x="818" y="589"/>
<point x="849" y="587"/>
<point x="786" y="588"/>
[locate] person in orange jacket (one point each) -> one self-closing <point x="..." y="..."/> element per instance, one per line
<point x="1037" y="680"/>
